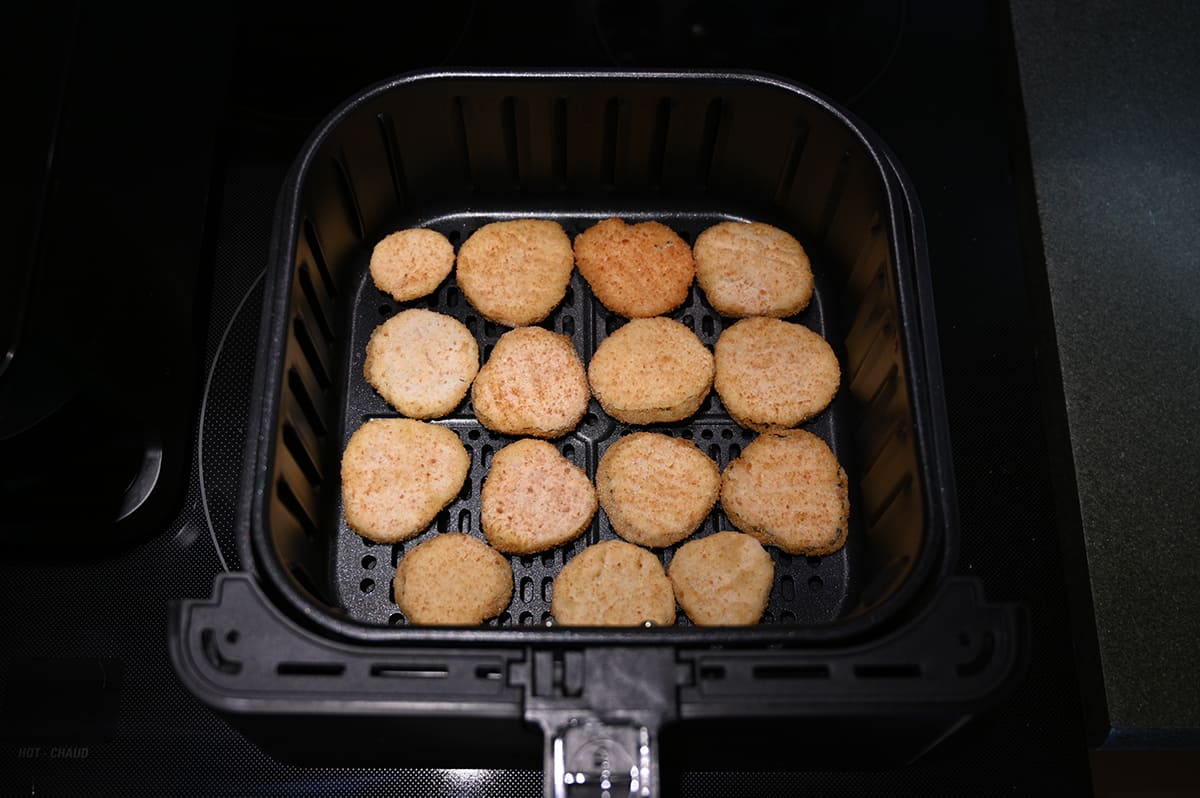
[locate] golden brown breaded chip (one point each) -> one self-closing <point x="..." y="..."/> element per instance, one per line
<point x="752" y="269"/>
<point x="515" y="272"/>
<point x="422" y="362"/>
<point x="655" y="489"/>
<point x="722" y="580"/>
<point x="788" y="490"/>
<point x="398" y="474"/>
<point x="773" y="375"/>
<point x="534" y="499"/>
<point x="452" y="579"/>
<point x="533" y="384"/>
<point x="638" y="270"/>
<point x="650" y="371"/>
<point x="613" y="583"/>
<point x="411" y="263"/>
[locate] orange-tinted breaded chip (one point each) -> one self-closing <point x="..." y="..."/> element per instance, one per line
<point x="722" y="580"/>
<point x="534" y="499"/>
<point x="752" y="269"/>
<point x="613" y="583"/>
<point x="398" y="474"/>
<point x="651" y="371"/>
<point x="452" y="579"/>
<point x="410" y="264"/>
<point x="772" y="374"/>
<point x="638" y="270"/>
<point x="515" y="272"/>
<point x="788" y="490"/>
<point x="532" y="384"/>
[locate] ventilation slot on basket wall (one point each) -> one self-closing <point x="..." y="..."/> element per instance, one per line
<point x="508" y="116"/>
<point x="305" y="402"/>
<point x="391" y="148"/>
<point x="835" y="196"/>
<point x="558" y="157"/>
<point x="318" y="256"/>
<point x="299" y="451"/>
<point x="315" y="304"/>
<point x="658" y="143"/>
<point x="791" y="164"/>
<point x="460" y="141"/>
<point x="708" y="141"/>
<point x="311" y="355"/>
<point x="349" y="197"/>
<point x="612" y="122"/>
<point x="291" y="503"/>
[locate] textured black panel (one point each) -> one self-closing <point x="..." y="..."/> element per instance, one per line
<point x="1110" y="99"/>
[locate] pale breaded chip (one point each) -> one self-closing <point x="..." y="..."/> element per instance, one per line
<point x="722" y="580"/>
<point x="534" y="499"/>
<point x="613" y="583"/>
<point x="650" y="371"/>
<point x="515" y="272"/>
<point x="410" y="264"/>
<point x="787" y="489"/>
<point x="773" y="375"/>
<point x="656" y="490"/>
<point x="398" y="474"/>
<point x="752" y="269"/>
<point x="422" y="362"/>
<point x="453" y="580"/>
<point x="532" y="385"/>
<point x="638" y="270"/>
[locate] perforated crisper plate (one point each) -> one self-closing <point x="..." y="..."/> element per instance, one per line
<point x="807" y="590"/>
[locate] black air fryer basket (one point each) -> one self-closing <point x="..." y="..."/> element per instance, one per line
<point x="872" y="653"/>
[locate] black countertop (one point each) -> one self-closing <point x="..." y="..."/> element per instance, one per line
<point x="1112" y="108"/>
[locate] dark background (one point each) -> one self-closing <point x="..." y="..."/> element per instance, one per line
<point x="153" y="150"/>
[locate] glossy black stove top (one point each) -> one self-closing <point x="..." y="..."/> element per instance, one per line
<point x="89" y="700"/>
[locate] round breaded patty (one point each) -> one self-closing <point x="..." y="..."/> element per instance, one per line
<point x="773" y="375"/>
<point x="452" y="579"/>
<point x="655" y="489"/>
<point x="410" y="264"/>
<point x="515" y="272"/>
<point x="650" y="371"/>
<point x="752" y="269"/>
<point x="533" y="384"/>
<point x="788" y="490"/>
<point x="422" y="362"/>
<point x="722" y="580"/>
<point x="534" y="499"/>
<point x="638" y="270"/>
<point x="398" y="474"/>
<point x="613" y="583"/>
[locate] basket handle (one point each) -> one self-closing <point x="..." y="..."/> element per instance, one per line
<point x="600" y="710"/>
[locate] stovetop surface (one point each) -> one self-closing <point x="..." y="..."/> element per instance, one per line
<point x="935" y="80"/>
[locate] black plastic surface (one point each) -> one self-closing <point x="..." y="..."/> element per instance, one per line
<point x="688" y="149"/>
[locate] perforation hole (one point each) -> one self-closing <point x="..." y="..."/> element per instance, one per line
<point x="367" y="585"/>
<point x="395" y="619"/>
<point x="369" y="561"/>
<point x="815" y="583"/>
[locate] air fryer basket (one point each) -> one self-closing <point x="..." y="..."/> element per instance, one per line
<point x="454" y="151"/>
